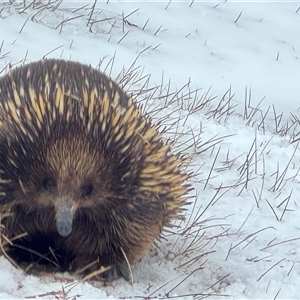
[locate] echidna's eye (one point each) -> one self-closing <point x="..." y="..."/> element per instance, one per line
<point x="86" y="190"/>
<point x="49" y="184"/>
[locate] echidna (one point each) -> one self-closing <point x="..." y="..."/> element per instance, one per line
<point x="84" y="176"/>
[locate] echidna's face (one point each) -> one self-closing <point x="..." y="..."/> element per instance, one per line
<point x="64" y="174"/>
<point x="73" y="179"/>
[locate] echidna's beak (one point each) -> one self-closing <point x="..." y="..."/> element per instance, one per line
<point x="64" y="209"/>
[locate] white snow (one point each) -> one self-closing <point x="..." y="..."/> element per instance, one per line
<point x="241" y="237"/>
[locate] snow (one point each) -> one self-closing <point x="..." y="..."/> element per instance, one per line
<point x="241" y="237"/>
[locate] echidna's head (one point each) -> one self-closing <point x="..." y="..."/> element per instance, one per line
<point x="65" y="168"/>
<point x="71" y="141"/>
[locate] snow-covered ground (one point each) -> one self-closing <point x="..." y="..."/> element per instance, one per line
<point x="236" y="69"/>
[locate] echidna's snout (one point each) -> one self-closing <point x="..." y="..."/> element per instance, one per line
<point x="64" y="210"/>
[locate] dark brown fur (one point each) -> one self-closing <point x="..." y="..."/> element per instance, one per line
<point x="60" y="155"/>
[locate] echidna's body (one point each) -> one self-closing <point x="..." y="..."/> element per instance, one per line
<point x="83" y="174"/>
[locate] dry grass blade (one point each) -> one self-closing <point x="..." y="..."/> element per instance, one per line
<point x="211" y="169"/>
<point x="279" y="178"/>
<point x="94" y="262"/>
<point x="95" y="273"/>
<point x="277" y="294"/>
<point x="184" y="279"/>
<point x="122" y="38"/>
<point x="280" y="243"/>
<point x="245" y="220"/>
<point x="250" y="112"/>
<point x="155" y="33"/>
<point x="128" y="265"/>
<point x="23" y="25"/>
<point x="91" y="13"/>
<point x="45" y="55"/>
<point x="238" y="17"/>
<point x="61" y="24"/>
<point x="292" y="267"/>
<point x="272" y="209"/>
<point x="211" y="143"/>
<point x="245" y="239"/>
<point x="220" y="280"/>
<point x="260" y="277"/>
<point x="286" y="200"/>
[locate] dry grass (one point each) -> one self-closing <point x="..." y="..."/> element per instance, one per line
<point x="193" y="242"/>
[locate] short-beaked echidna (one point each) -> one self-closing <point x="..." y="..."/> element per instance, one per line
<point x="84" y="175"/>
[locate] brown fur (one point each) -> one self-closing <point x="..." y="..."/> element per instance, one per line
<point x="73" y="144"/>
